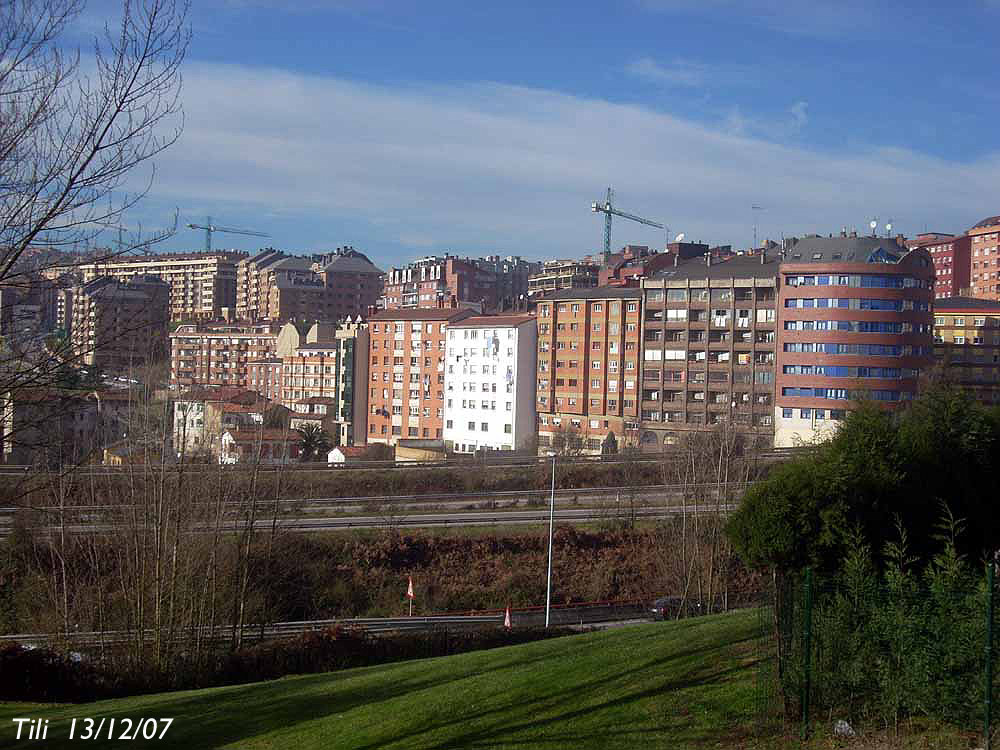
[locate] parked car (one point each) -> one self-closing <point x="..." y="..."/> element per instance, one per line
<point x="667" y="607"/>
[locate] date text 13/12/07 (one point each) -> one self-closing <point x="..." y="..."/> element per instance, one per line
<point x="92" y="729"/>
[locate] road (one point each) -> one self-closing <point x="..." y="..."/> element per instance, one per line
<point x="564" y="615"/>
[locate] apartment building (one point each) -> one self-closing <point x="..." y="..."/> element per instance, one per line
<point x="709" y="338"/>
<point x="952" y="259"/>
<point x="202" y="285"/>
<point x="482" y="284"/>
<point x="275" y="286"/>
<point x="118" y="325"/>
<point x="856" y="323"/>
<point x="325" y="380"/>
<point x="985" y="243"/>
<point x="563" y="274"/>
<point x="967" y="345"/>
<point x="589" y="349"/>
<point x="220" y="354"/>
<point x="201" y="415"/>
<point x="406" y="375"/>
<point x="490" y="383"/>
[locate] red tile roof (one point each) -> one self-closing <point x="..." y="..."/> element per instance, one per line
<point x="494" y="321"/>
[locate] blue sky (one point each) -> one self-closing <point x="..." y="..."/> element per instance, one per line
<point x="406" y="128"/>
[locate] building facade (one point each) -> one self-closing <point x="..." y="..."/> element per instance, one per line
<point x="709" y="339"/>
<point x="202" y="285"/>
<point x="489" y="383"/>
<point x="482" y="284"/>
<point x="856" y="323"/>
<point x="406" y="373"/>
<point x="967" y="345"/>
<point x="219" y="355"/>
<point x="274" y="286"/>
<point x="985" y="242"/>
<point x="325" y="378"/>
<point x="589" y="350"/>
<point x="563" y="274"/>
<point x="952" y="258"/>
<point x="118" y="325"/>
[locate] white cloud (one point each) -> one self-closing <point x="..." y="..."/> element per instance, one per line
<point x="678" y="73"/>
<point x="472" y="167"/>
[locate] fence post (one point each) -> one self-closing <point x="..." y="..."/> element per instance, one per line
<point x="806" y="652"/>
<point x="988" y="650"/>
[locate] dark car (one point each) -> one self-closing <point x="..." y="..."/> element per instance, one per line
<point x="670" y="607"/>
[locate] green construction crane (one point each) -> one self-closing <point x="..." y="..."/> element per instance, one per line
<point x="609" y="210"/>
<point x="210" y="228"/>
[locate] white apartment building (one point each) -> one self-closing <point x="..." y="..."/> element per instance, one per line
<point x="490" y="383"/>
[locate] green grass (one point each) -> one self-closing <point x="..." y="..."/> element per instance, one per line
<point x="680" y="684"/>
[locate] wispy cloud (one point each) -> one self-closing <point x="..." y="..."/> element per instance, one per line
<point x="491" y="166"/>
<point x="677" y="73"/>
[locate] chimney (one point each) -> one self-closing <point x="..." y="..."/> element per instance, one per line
<point x="854" y="233"/>
<point x="843" y="231"/>
<point x="763" y="257"/>
<point x="708" y="259"/>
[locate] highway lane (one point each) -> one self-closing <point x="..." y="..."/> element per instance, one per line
<point x="424" y="520"/>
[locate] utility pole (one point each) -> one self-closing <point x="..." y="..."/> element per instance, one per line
<point x="552" y="514"/>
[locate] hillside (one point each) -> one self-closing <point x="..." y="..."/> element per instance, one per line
<point x="679" y="684"/>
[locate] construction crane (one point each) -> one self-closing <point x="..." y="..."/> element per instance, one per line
<point x="609" y="210"/>
<point x="209" y="228"/>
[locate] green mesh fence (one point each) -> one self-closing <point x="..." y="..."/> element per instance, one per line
<point x="873" y="651"/>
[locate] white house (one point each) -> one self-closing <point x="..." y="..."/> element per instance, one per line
<point x="489" y="380"/>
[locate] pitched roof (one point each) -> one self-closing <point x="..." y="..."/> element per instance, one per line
<point x="989" y="221"/>
<point x="328" y="400"/>
<point x="595" y="292"/>
<point x="966" y="304"/>
<point x="351" y="261"/>
<point x="449" y="314"/>
<point x="268" y="435"/>
<point x="494" y="321"/>
<point x="843" y="250"/>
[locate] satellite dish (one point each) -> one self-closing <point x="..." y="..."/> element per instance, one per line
<point x="888" y="228"/>
<point x="873" y="223"/>
<point x="679" y="238"/>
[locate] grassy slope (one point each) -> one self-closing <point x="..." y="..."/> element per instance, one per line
<point x="660" y="685"/>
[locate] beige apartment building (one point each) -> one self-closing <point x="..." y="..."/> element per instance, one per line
<point x="118" y="325"/>
<point x="202" y="285"/>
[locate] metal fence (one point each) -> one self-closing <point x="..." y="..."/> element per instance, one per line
<point x="866" y="652"/>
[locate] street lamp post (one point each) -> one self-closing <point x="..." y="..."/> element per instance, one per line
<point x="552" y="514"/>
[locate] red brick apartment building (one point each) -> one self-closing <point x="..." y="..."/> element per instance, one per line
<point x="485" y="284"/>
<point x="406" y="375"/>
<point x="220" y="354"/>
<point x="589" y="343"/>
<point x="952" y="258"/>
<point x="856" y="323"/>
<point x="985" y="271"/>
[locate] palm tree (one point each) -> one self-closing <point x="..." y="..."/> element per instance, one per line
<point x="313" y="441"/>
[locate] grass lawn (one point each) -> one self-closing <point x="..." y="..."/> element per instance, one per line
<point x="682" y="684"/>
<point x="662" y="685"/>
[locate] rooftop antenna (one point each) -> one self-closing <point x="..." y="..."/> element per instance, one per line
<point x="753" y="208"/>
<point x="888" y="228"/>
<point x="874" y="225"/>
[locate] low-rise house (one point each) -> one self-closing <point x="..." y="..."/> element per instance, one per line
<point x="270" y="446"/>
<point x="347" y="455"/>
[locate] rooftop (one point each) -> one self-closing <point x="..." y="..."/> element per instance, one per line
<point x="351" y="261"/>
<point x="450" y="314"/>
<point x="594" y="292"/>
<point x="844" y="250"/>
<point x="494" y="321"/>
<point x="989" y="221"/>
<point x="966" y="304"/>
<point x="732" y="267"/>
<point x="267" y="434"/>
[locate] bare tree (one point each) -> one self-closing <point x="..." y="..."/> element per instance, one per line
<point x="80" y="133"/>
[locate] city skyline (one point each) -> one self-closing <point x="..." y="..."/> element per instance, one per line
<point x="493" y="130"/>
